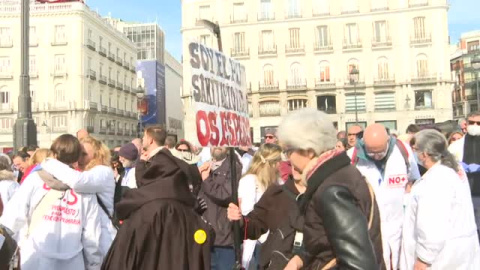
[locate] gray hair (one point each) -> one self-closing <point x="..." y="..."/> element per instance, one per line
<point x="308" y="129"/>
<point x="473" y="114"/>
<point x="434" y="144"/>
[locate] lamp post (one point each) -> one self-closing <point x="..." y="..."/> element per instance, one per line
<point x="476" y="67"/>
<point x="215" y="28"/>
<point x="140" y="96"/>
<point x="354" y="80"/>
<point x="24" y="130"/>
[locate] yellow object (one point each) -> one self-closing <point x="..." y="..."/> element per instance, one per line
<point x="200" y="236"/>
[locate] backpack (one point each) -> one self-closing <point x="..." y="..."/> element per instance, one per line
<point x="401" y="147"/>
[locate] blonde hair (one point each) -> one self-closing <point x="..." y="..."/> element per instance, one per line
<point x="264" y="165"/>
<point x="39" y="156"/>
<point x="101" y="154"/>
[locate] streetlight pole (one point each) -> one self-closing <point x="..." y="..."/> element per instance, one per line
<point x="24" y="131"/>
<point x="353" y="80"/>
<point x="140" y="97"/>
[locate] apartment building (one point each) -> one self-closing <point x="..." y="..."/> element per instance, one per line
<point x="82" y="73"/>
<point x="301" y="53"/>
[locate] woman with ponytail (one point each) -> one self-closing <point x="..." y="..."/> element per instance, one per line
<point x="262" y="173"/>
<point x="439" y="231"/>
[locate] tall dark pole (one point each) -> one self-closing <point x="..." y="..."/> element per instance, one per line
<point x="356" y="110"/>
<point x="24" y="131"/>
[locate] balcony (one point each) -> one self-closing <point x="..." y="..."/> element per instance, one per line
<point x="352" y="46"/>
<point x="295" y="50"/>
<point x="6" y="75"/>
<point x="125" y="65"/>
<point x="268" y="87"/>
<point x="417" y="3"/>
<point x="102" y="51"/>
<point x="322" y="48"/>
<point x="60" y="73"/>
<point x="104" y="109"/>
<point x="424" y="107"/>
<point x="103" y="130"/>
<point x="120" y="131"/>
<point x="297" y="86"/>
<point x="359" y="84"/>
<point x="324" y="84"/>
<point x="119" y="61"/>
<point x="351" y="11"/>
<point x="121" y="112"/>
<point x="132" y="69"/>
<point x="379" y="82"/>
<point x="239" y="19"/>
<point x="267" y="51"/>
<point x="102" y="80"/>
<point x="375" y="9"/>
<point x="91" y="45"/>
<point x="240" y="53"/>
<point x="93" y="106"/>
<point x="92" y="74"/>
<point x="33" y="74"/>
<point x="293" y="15"/>
<point x="6" y="43"/>
<point x="119" y="86"/>
<point x="329" y="110"/>
<point x="424" y="78"/>
<point x="112" y="110"/>
<point x="111" y="132"/>
<point x="418" y="41"/>
<point x="262" y="16"/>
<point x="60" y="42"/>
<point x="90" y="129"/>
<point x="381" y="43"/>
<point x="111" y="83"/>
<point x="320" y="13"/>
<point x="111" y="57"/>
<point x="126" y="88"/>
<point x="59" y="129"/>
<point x="471" y="97"/>
<point x="33" y="42"/>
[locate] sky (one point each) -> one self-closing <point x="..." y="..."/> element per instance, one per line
<point x="463" y="16"/>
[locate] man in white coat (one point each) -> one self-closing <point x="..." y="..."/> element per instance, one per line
<point x="388" y="165"/>
<point x="55" y="229"/>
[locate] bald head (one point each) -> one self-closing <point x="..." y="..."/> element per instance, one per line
<point x="82" y="133"/>
<point x="376" y="141"/>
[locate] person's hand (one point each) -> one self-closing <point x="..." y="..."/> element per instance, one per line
<point x="233" y="212"/>
<point x="144" y="156"/>
<point x="474" y="168"/>
<point x="419" y="265"/>
<point x="294" y="264"/>
<point x="465" y="167"/>
<point x="205" y="170"/>
<point x="408" y="187"/>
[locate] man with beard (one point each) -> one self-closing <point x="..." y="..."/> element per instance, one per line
<point x="467" y="152"/>
<point x="161" y="229"/>
<point x="217" y="192"/>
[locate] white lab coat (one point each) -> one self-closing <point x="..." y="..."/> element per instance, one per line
<point x="67" y="237"/>
<point x="8" y="186"/>
<point x="389" y="192"/>
<point x="99" y="181"/>
<point x="439" y="225"/>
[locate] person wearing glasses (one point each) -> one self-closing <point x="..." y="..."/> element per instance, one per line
<point x="388" y="165"/>
<point x="467" y="152"/>
<point x="270" y="135"/>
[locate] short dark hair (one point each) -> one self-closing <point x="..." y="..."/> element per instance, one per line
<point x="184" y="143"/>
<point x="412" y="128"/>
<point x="66" y="149"/>
<point x="473" y="114"/>
<point x="157" y="133"/>
<point x="170" y="142"/>
<point x="22" y="155"/>
<point x="32" y="148"/>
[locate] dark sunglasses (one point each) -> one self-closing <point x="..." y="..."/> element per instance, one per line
<point x="269" y="137"/>
<point x="474" y="123"/>
<point x="183" y="150"/>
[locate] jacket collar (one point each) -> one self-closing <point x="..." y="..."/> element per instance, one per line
<point x="362" y="150"/>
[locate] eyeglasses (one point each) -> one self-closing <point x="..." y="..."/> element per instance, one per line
<point x="380" y="155"/>
<point x="269" y="137"/>
<point x="474" y="123"/>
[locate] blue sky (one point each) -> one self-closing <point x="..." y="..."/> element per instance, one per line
<point x="463" y="17"/>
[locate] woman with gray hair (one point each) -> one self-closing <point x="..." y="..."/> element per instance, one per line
<point x="439" y="231"/>
<point x="342" y="222"/>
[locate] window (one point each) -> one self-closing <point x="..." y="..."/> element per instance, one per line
<point x="6" y="123"/>
<point x="205" y="40"/>
<point x="239" y="14"/>
<point x="379" y="5"/>
<point x="32" y="92"/>
<point x="296" y="74"/>
<point x="4" y="97"/>
<point x="60" y="93"/>
<point x="473" y="107"/>
<point x="424" y="121"/>
<point x="101" y="98"/>
<point x="100" y="69"/>
<point x="327" y="104"/>
<point x="380" y="28"/>
<point x="60" y="34"/>
<point x="419" y="27"/>
<point x="351" y="34"/>
<point x="422" y="66"/>
<point x="269" y="108"/>
<point x="268" y="42"/>
<point x="294" y="9"/>
<point x="390" y="125"/>
<point x="294" y="38"/>
<point x="204" y="13"/>
<point x="296" y="104"/>
<point x="33" y="36"/>
<point x="350" y="103"/>
<point x="239" y="42"/>
<point x="59" y="64"/>
<point x="32" y="65"/>
<point x="473" y="45"/>
<point x="100" y="41"/>
<point x="109" y="73"/>
<point x="322" y="36"/>
<point x="5" y="65"/>
<point x="352" y="63"/>
<point x="423" y="99"/>
<point x="324" y="71"/>
<point x="384" y="101"/>
<point x="268" y="78"/>
<point x="59" y="121"/>
<point x="321" y="7"/>
<point x="5" y="37"/>
<point x="349" y="6"/>
<point x="382" y="69"/>
<point x="266" y="10"/>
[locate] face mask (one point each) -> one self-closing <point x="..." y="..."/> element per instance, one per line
<point x="419" y="162"/>
<point x="15" y="174"/>
<point x="473" y="130"/>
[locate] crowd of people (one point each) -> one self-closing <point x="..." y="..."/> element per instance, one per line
<point x="309" y="197"/>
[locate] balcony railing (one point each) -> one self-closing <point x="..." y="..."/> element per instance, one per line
<point x="33" y="42"/>
<point x="424" y="78"/>
<point x="320" y="13"/>
<point x="471" y="97"/>
<point x="267" y="51"/>
<point x="240" y="52"/>
<point x="132" y="69"/>
<point x="102" y="79"/>
<point x="290" y="50"/>
<point x="424" y="107"/>
<point x="126" y="88"/>
<point x="383" y="81"/>
<point x="427" y="39"/>
<point x="120" y="131"/>
<point x="102" y="51"/>
<point x="379" y="9"/>
<point x="93" y="106"/>
<point x="417" y="3"/>
<point x="92" y="74"/>
<point x="119" y="86"/>
<point x="111" y="83"/>
<point x="111" y="132"/>
<point x="330" y="110"/>
<point x="317" y="47"/>
<point x="121" y="112"/>
<point x="33" y="73"/>
<point x="126" y="65"/>
<point x="111" y="56"/>
<point x="239" y="19"/>
<point x="352" y="45"/>
<point x="261" y="17"/>
<point x="59" y="73"/>
<point x="103" y="130"/>
<point x="301" y="85"/>
<point x="91" y="45"/>
<point x="6" y="43"/>
<point x="382" y="43"/>
<point x="6" y="75"/>
<point x="324" y="84"/>
<point x="293" y="15"/>
<point x="268" y="87"/>
<point x="59" y="43"/>
<point x="351" y="11"/>
<point x="112" y="110"/>
<point x="119" y="61"/>
<point x="359" y="83"/>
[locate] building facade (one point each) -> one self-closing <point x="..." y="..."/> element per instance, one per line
<point x="299" y="53"/>
<point x="174" y="106"/>
<point x="82" y="74"/>
<point x="465" y="98"/>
